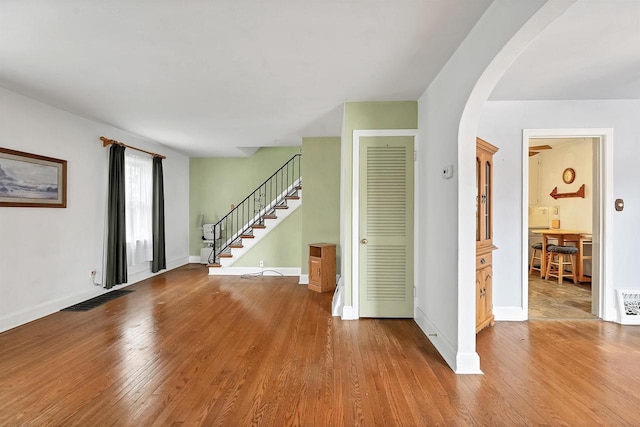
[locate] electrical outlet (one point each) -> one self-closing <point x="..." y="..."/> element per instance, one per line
<point x="261" y="263"/>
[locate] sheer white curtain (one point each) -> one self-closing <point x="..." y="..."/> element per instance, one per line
<point x="139" y="200"/>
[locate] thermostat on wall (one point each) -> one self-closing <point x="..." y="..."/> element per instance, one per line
<point x="447" y="171"/>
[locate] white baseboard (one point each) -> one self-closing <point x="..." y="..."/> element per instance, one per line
<point x="348" y="313"/>
<point x="304" y="279"/>
<point x="509" y="314"/>
<point x="240" y="271"/>
<point x="194" y="259"/>
<point x="145" y="271"/>
<point x="444" y="347"/>
<point x="460" y="363"/>
<point x="337" y="303"/>
<point x="46" y="308"/>
<point x="468" y="364"/>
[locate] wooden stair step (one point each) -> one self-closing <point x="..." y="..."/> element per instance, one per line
<point x="259" y="226"/>
<point x="292" y="197"/>
<point x="214" y="266"/>
<point x="270" y="217"/>
<point x="247" y="236"/>
<point x="281" y="207"/>
<point x="236" y="246"/>
<point x="225" y="256"/>
<point x="298" y="187"/>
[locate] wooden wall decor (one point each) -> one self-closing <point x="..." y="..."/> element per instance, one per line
<point x="554" y="193"/>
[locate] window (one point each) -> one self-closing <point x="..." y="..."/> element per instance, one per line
<point x="138" y="202"/>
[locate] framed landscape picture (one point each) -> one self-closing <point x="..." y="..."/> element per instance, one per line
<point x="30" y="180"/>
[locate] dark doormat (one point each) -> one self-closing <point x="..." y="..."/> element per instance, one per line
<point x="99" y="300"/>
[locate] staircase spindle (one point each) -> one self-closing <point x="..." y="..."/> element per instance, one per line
<point x="251" y="211"/>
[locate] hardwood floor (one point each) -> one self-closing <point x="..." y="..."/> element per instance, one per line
<point x="190" y="349"/>
<point x="550" y="300"/>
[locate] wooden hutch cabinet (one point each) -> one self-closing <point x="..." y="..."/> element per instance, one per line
<point x="484" y="233"/>
<point x="322" y="267"/>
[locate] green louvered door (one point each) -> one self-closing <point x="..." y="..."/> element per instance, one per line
<point x="386" y="227"/>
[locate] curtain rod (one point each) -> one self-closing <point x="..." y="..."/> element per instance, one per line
<point x="107" y="141"/>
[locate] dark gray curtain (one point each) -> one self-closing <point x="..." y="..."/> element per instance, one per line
<point x="159" y="261"/>
<point x="116" y="269"/>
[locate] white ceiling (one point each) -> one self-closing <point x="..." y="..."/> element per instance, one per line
<point x="223" y="77"/>
<point x="590" y="52"/>
<point x="206" y="77"/>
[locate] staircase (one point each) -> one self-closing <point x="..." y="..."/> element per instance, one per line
<point x="257" y="215"/>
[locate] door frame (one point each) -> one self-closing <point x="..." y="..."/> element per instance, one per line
<point x="602" y="214"/>
<point x="355" y="210"/>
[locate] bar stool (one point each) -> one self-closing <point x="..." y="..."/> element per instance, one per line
<point x="557" y="259"/>
<point x="537" y="250"/>
<point x="536" y="255"/>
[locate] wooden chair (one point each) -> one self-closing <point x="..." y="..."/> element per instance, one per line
<point x="559" y="257"/>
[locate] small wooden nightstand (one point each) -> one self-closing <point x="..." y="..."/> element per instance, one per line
<point x="322" y="267"/>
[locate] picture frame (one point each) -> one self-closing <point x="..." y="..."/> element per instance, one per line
<point x="629" y="306"/>
<point x="31" y="180"/>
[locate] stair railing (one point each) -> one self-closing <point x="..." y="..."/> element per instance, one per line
<point x="251" y="211"/>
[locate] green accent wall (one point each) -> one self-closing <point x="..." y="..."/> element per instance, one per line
<point x="361" y="116"/>
<point x="279" y="248"/>
<point x="321" y="195"/>
<point x="217" y="182"/>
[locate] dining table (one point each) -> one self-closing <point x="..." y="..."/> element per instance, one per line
<point x="562" y="236"/>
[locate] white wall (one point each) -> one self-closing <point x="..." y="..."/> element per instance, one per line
<point x="574" y="213"/>
<point x="46" y="254"/>
<point x="449" y="112"/>
<point x="502" y="124"/>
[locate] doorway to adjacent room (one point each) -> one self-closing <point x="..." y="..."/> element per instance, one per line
<point x="557" y="161"/>
<point x="557" y="167"/>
